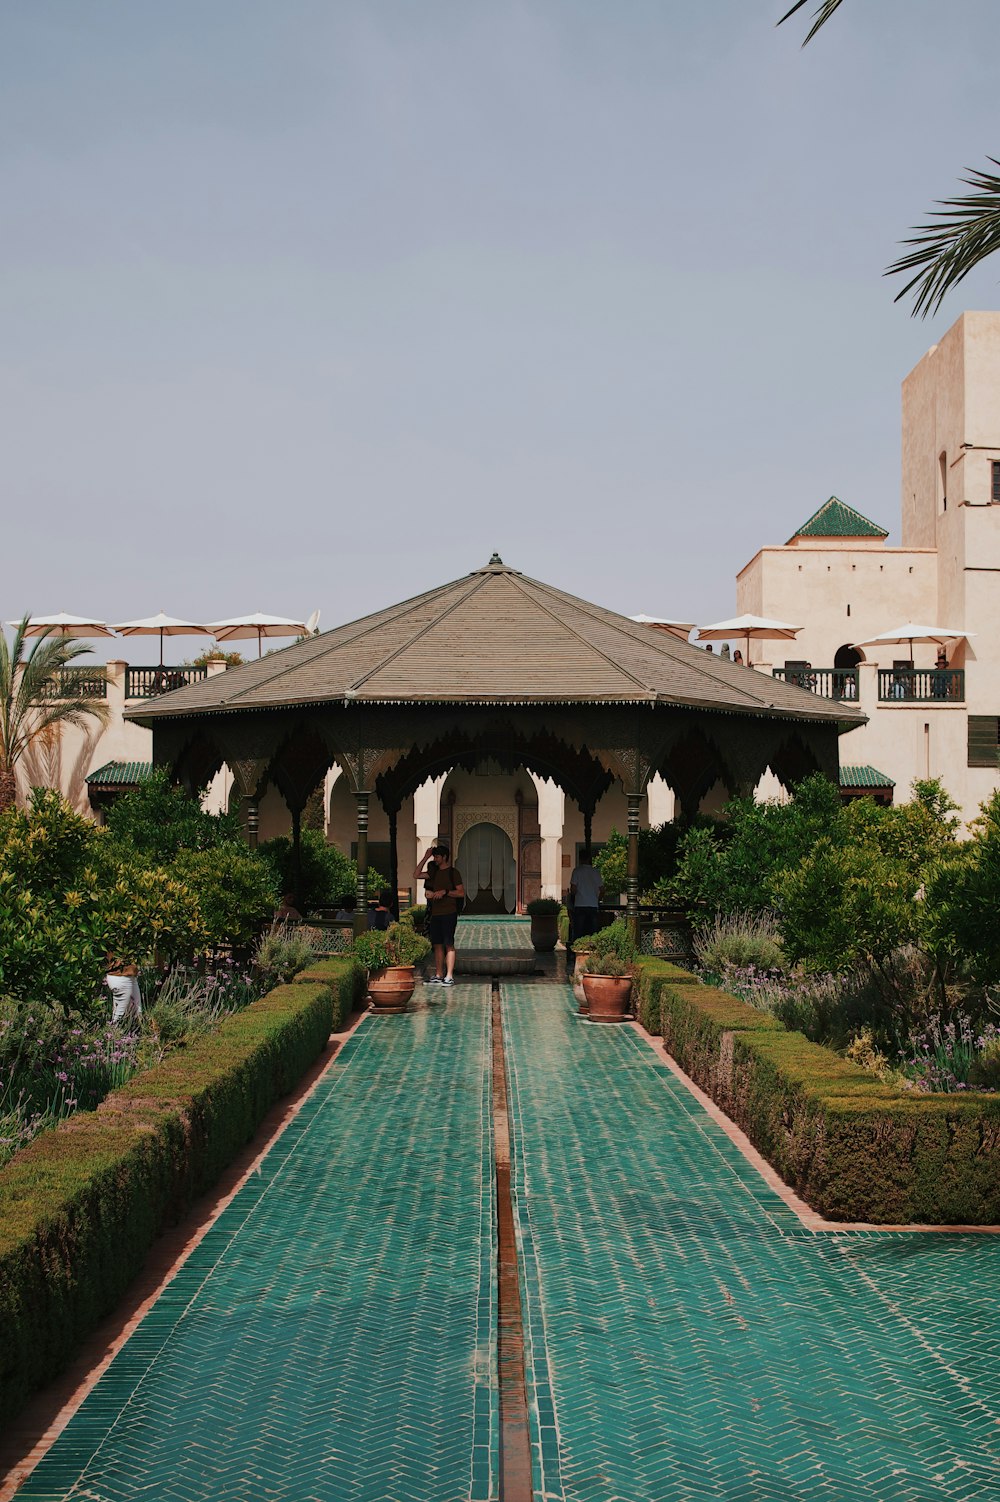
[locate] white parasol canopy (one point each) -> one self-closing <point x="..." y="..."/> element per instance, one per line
<point x="751" y="628"/>
<point x="259" y="625"/>
<point x="161" y="625"/>
<point x="912" y="631"/>
<point x="681" y="629"/>
<point x="65" y="625"/>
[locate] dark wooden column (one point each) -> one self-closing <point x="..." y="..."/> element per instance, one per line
<point x="588" y="825"/>
<point x="632" y="880"/>
<point x="252" y="811"/>
<point x="361" y="916"/>
<point x="393" y="862"/>
<point x="297" y="856"/>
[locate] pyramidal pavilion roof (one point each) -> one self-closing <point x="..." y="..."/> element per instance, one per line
<point x="494" y="637"/>
<point x="835" y="519"/>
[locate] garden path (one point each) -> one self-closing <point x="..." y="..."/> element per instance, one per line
<point x="333" y="1335"/>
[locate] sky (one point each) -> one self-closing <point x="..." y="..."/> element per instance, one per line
<point x="316" y="304"/>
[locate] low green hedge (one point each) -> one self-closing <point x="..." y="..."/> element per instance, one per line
<point x="852" y="1147"/>
<point x="346" y="978"/>
<point x="651" y="976"/>
<point x="81" y="1205"/>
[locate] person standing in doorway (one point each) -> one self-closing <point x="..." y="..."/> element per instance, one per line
<point x="585" y="890"/>
<point x="444" y="891"/>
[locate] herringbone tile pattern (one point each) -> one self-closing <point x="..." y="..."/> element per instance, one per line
<point x="688" y="1339"/>
<point x="332" y="1338"/>
<point x="498" y="934"/>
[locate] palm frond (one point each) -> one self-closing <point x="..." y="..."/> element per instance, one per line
<point x="823" y="14"/>
<point x="25" y="710"/>
<point x="967" y="231"/>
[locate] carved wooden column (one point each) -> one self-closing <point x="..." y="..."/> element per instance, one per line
<point x="393" y="862"/>
<point x="252" y="810"/>
<point x="632" y="879"/>
<point x="588" y="825"/>
<point x="297" y="856"/>
<point x="361" y="916"/>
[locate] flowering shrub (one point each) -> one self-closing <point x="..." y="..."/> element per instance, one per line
<point x="945" y="1054"/>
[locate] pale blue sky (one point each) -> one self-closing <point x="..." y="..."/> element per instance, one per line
<point x="316" y="304"/>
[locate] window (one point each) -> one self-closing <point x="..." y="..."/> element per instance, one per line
<point x="984" y="740"/>
<point x="995" y="493"/>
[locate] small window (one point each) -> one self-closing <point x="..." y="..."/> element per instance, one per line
<point x="984" y="740"/>
<point x="995" y="467"/>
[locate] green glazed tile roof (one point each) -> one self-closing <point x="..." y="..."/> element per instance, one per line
<point x="120" y="774"/>
<point x="834" y="519"/>
<point x="864" y="777"/>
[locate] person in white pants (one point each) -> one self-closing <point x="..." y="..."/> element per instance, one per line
<point x="123" y="982"/>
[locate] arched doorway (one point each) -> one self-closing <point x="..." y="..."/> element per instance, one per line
<point x="489" y="873"/>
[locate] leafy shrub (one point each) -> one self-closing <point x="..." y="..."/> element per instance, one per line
<point x="327" y="875"/>
<point x="984" y="1071"/>
<point x="608" y="964"/>
<point x="744" y="940"/>
<point x="157" y="820"/>
<point x="399" y="944"/>
<point x="415" y="916"/>
<point x="282" y="952"/>
<point x="615" y="939"/>
<point x="234" y="890"/>
<point x="543" y="907"/>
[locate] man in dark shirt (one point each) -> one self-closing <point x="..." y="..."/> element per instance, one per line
<point x="442" y="888"/>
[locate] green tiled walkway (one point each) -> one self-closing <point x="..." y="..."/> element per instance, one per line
<point x="332" y="1337"/>
<point x="497" y="934"/>
<point x="688" y="1339"/>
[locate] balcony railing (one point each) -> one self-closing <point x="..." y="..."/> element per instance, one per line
<point x="832" y="683"/>
<point x="921" y="685"/>
<point x="149" y="683"/>
<point x="77" y="683"/>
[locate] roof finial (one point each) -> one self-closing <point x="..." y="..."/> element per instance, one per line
<point x="495" y="559"/>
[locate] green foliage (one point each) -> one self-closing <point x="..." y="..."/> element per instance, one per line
<point x="347" y="979"/>
<point x="28" y="709"/>
<point x="743" y="940"/>
<point x="984" y="1073"/>
<point x="854" y="1148"/>
<point x="235" y="890"/>
<point x="399" y="944"/>
<point x="543" y="907"/>
<point x="843" y="904"/>
<point x="415" y="916"/>
<point x="962" y="902"/>
<point x="612" y="862"/>
<point x="157" y="821"/>
<point x="615" y="939"/>
<point x="609" y="964"/>
<point x="282" y="952"/>
<point x="328" y="876"/>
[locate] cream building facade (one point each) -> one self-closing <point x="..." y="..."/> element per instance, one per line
<point x="837" y="578"/>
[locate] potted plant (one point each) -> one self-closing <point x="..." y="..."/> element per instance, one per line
<point x="607" y="978"/>
<point x="608" y="988"/>
<point x="544" y="915"/>
<point x="391" y="958"/>
<point x="581" y="962"/>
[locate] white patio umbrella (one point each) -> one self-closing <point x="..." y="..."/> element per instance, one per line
<point x="912" y="631"/>
<point x="751" y="628"/>
<point x="259" y="625"/>
<point x="161" y="625"/>
<point x="65" y="625"/>
<point x="681" y="629"/>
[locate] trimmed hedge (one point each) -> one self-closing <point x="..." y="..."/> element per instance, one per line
<point x="81" y="1205"/>
<point x="852" y="1147"/>
<point x="653" y="974"/>
<point x="346" y="978"/>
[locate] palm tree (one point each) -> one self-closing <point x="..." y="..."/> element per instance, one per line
<point x="965" y="229"/>
<point x="27" y="706"/>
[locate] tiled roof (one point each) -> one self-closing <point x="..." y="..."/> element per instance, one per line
<point x="864" y="777"/>
<point x="835" y="519"/>
<point x="120" y="774"/>
<point x="495" y="637"/>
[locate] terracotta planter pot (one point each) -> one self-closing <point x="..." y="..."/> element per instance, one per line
<point x="389" y="990"/>
<point x="608" y="996"/>
<point x="579" y="966"/>
<point x="544" y="932"/>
